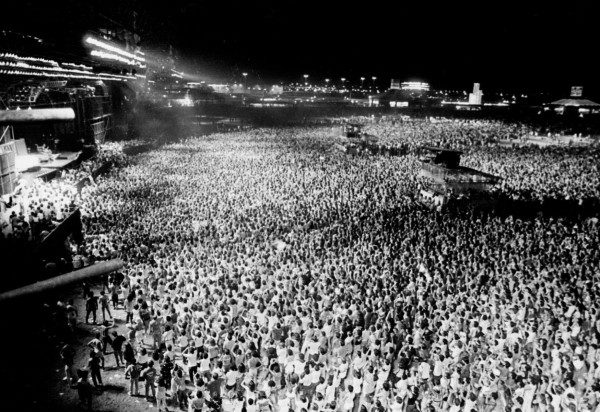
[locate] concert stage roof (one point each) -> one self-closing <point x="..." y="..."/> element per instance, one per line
<point x="575" y="103"/>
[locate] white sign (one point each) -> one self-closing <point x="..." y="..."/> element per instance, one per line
<point x="576" y="91"/>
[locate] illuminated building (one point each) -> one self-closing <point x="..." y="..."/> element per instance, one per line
<point x="415" y="86"/>
<point x="476" y="96"/>
<point x="410" y="86"/>
<point x="405" y="94"/>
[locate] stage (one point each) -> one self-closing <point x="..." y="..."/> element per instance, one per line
<point x="43" y="166"/>
<point x="53" y="161"/>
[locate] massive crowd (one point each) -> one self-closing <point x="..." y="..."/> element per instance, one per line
<point x="542" y="173"/>
<point x="266" y="272"/>
<point x="441" y="132"/>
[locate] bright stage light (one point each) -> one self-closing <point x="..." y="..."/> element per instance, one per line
<point x="114" y="49"/>
<point x="20" y="66"/>
<point x="111" y="56"/>
<point x="91" y="76"/>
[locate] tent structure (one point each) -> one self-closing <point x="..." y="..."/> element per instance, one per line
<point x="575" y="106"/>
<point x="576" y="103"/>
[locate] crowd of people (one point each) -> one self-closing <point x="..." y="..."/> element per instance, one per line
<point x="541" y="172"/>
<point x="266" y="272"/>
<point x="528" y="171"/>
<point x="441" y="132"/>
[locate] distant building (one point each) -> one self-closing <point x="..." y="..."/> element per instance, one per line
<point x="415" y="86"/>
<point x="276" y="89"/>
<point x="402" y="99"/>
<point x="475" y="97"/>
<point x="409" y="86"/>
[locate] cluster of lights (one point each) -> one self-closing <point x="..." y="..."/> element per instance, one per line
<point x="296" y="87"/>
<point x="114" y="49"/>
<point x="111" y="56"/>
<point x="11" y="56"/>
<point x="177" y="74"/>
<point x="421" y="86"/>
<point x="77" y="66"/>
<point x="21" y="66"/>
<point x="101" y="76"/>
<point x="27" y="66"/>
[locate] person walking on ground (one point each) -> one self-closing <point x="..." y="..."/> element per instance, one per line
<point x="96" y="345"/>
<point x="67" y="354"/>
<point x="84" y="390"/>
<point x="113" y="288"/>
<point x="104" y="306"/>
<point x="149" y="375"/>
<point x="133" y="371"/>
<point x="106" y="339"/>
<point x="117" y="345"/>
<point x="94" y="368"/>
<point x="91" y="306"/>
<point x="129" y="353"/>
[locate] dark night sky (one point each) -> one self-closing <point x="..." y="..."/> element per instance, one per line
<point x="500" y="44"/>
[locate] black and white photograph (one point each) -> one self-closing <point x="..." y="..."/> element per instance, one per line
<point x="299" y="206"/>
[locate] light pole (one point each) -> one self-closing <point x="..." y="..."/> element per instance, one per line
<point x="245" y="75"/>
<point x="362" y="80"/>
<point x="305" y="80"/>
<point x="327" y="83"/>
<point x="343" y="80"/>
<point x="374" y="78"/>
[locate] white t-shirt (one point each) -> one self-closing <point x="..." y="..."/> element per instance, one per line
<point x="192" y="359"/>
<point x="231" y="377"/>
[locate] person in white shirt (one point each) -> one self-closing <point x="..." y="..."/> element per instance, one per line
<point x="438" y="368"/>
<point x="231" y="378"/>
<point x="424" y="371"/>
<point x="346" y="399"/>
